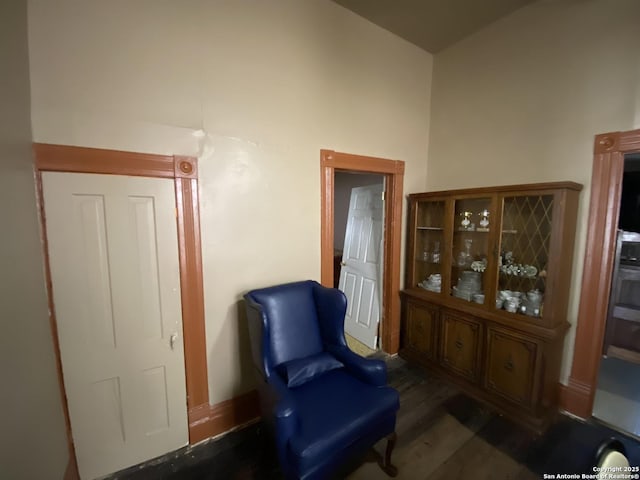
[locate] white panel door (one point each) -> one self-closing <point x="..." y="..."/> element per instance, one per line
<point x="113" y="252"/>
<point x="361" y="263"/>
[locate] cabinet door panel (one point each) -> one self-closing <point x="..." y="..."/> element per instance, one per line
<point x="511" y="362"/>
<point x="525" y="246"/>
<point x="426" y="251"/>
<point x="461" y="345"/>
<point x="420" y="328"/>
<point x="472" y="242"/>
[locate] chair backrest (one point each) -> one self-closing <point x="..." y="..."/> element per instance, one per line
<point x="291" y="321"/>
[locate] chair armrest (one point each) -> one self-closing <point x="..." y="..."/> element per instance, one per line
<point x="373" y="372"/>
<point x="285" y="416"/>
<point x="283" y="403"/>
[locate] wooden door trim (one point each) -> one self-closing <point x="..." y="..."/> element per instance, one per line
<point x="71" y="472"/>
<point x="184" y="172"/>
<point x="63" y="158"/>
<point x="330" y="162"/>
<point x="606" y="185"/>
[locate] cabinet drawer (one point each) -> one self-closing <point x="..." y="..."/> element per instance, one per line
<point x="511" y="366"/>
<point x="460" y="344"/>
<point x="420" y="329"/>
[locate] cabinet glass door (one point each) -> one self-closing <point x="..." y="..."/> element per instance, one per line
<point x="472" y="226"/>
<point x="524" y="253"/>
<point x="429" y="245"/>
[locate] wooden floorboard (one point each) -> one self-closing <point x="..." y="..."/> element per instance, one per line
<point x="442" y="434"/>
<point x="476" y="459"/>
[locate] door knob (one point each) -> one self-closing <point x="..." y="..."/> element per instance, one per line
<point x="172" y="340"/>
<point x="344" y="264"/>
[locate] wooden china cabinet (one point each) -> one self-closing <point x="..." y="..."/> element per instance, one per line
<point x="487" y="288"/>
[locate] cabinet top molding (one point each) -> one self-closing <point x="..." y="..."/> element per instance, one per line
<point x="503" y="188"/>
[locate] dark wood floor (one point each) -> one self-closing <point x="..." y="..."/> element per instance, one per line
<point x="442" y="434"/>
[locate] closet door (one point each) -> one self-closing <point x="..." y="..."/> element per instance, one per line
<point x="113" y="255"/>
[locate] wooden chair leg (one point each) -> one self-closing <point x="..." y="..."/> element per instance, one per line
<point x="385" y="464"/>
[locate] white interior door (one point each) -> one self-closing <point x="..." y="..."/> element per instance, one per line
<point x="361" y="263"/>
<point x="113" y="253"/>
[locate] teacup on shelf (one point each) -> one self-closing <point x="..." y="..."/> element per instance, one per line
<point x="478" y="297"/>
<point x="512" y="304"/>
<point x="534" y="297"/>
<point x="479" y="265"/>
<point x="505" y="294"/>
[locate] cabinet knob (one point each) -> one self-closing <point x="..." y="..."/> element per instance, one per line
<point x="509" y="365"/>
<point x="459" y="344"/>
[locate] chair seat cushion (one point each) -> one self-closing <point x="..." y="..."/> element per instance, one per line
<point x="336" y="410"/>
<point x="300" y="371"/>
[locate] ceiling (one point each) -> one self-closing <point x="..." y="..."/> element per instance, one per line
<point x="433" y="24"/>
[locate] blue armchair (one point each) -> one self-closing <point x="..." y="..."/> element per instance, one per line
<point x="325" y="404"/>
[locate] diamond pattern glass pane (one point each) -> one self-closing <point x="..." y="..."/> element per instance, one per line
<point x="524" y="252"/>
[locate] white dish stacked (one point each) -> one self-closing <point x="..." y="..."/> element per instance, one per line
<point x="433" y="283"/>
<point x="468" y="285"/>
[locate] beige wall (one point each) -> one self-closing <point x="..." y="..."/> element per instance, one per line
<point x="255" y="89"/>
<point x="521" y="101"/>
<point x="33" y="430"/>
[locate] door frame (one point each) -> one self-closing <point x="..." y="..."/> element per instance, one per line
<point x="393" y="170"/>
<point x="604" y="207"/>
<point x="184" y="173"/>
